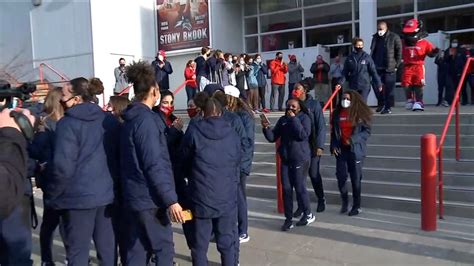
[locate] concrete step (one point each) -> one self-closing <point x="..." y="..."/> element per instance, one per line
<point x="450" y="178"/>
<point x="389" y="162"/>
<point x="392" y="189"/>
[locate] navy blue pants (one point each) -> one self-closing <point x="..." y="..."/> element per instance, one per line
<point x="388" y="80"/>
<point x="51" y="220"/>
<point x="149" y="233"/>
<point x="15" y="236"/>
<point x="242" y="213"/>
<point x="227" y="242"/>
<point x="190" y="92"/>
<point x="295" y="177"/>
<point x="347" y="163"/>
<point x="80" y="226"/>
<point x="315" y="176"/>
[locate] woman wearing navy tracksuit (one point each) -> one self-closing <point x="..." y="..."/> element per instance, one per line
<point x="293" y="129"/>
<point x="81" y="186"/>
<point x="349" y="133"/>
<point x="146" y="174"/>
<point x="213" y="150"/>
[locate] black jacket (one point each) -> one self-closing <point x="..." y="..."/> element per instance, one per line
<point x="13" y="160"/>
<point x="360" y="135"/>
<point x="359" y="69"/>
<point x="212" y="150"/>
<point x="162" y="74"/>
<point x="393" y="46"/>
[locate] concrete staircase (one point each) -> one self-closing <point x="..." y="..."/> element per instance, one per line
<point x="392" y="168"/>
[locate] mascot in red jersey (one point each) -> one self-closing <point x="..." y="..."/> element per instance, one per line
<point x="415" y="50"/>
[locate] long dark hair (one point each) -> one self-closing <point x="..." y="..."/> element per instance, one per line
<point x="359" y="111"/>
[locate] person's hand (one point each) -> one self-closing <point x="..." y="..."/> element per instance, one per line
<point x="265" y="124"/>
<point x="176" y="213"/>
<point x="335" y="152"/>
<point x="161" y="64"/>
<point x="290" y="113"/>
<point x="348" y="142"/>
<point x="178" y="124"/>
<point x="319" y="152"/>
<point x="7" y="121"/>
<point x="320" y="66"/>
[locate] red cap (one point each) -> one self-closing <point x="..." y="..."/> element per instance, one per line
<point x="162" y="53"/>
<point x="411" y="26"/>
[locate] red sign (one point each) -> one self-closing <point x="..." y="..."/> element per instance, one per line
<point x="182" y="24"/>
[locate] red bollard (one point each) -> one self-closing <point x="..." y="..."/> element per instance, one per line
<point x="428" y="182"/>
<point x="278" y="177"/>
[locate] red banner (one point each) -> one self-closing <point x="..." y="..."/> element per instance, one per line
<point x="182" y="24"/>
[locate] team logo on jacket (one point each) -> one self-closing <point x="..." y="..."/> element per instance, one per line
<point x="363" y="62"/>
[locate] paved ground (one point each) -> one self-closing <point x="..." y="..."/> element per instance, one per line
<point x="375" y="237"/>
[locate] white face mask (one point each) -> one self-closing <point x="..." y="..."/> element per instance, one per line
<point x="258" y="60"/>
<point x="345" y="103"/>
<point x="160" y="57"/>
<point x="381" y="32"/>
<point x="242" y="62"/>
<point x="454" y="44"/>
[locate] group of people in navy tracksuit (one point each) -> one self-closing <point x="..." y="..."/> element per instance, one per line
<point x="121" y="178"/>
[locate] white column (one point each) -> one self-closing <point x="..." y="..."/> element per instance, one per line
<point x="367" y="27"/>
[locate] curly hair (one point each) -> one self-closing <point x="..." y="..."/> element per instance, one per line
<point x="142" y="75"/>
<point x="96" y="87"/>
<point x="358" y="111"/>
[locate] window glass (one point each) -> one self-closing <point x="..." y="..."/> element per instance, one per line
<point x="250" y="7"/>
<point x="281" y="21"/>
<point x="281" y="41"/>
<point x="393" y="7"/>
<point x="278" y="5"/>
<point x="338" y="12"/>
<point x="251" y="44"/>
<point x="329" y="35"/>
<point x="448" y="20"/>
<point x="251" y="26"/>
<point x="430" y="4"/>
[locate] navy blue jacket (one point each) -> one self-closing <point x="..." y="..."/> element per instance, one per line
<point x="162" y="74"/>
<point x="360" y="135"/>
<point x="202" y="69"/>
<point x="248" y="123"/>
<point x="146" y="173"/>
<point x="358" y="70"/>
<point x="294" y="135"/>
<point x="81" y="177"/>
<point x="212" y="149"/>
<point x="236" y="123"/>
<point x="262" y="75"/>
<point x="318" y="124"/>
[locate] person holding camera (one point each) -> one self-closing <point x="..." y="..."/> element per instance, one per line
<point x="15" y="224"/>
<point x="294" y="130"/>
<point x="121" y="81"/>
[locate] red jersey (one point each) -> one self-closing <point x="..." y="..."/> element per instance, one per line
<point x="415" y="55"/>
<point x="345" y="125"/>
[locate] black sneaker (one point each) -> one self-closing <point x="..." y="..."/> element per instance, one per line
<point x="306" y="219"/>
<point x="386" y="111"/>
<point x="321" y="206"/>
<point x="344" y="207"/>
<point x="379" y="108"/>
<point x="287" y="225"/>
<point x="355" y="211"/>
<point x="297" y="213"/>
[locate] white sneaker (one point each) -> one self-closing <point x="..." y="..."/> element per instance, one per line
<point x="418" y="106"/>
<point x="409" y="105"/>
<point x="445" y="103"/>
<point x="244" y="238"/>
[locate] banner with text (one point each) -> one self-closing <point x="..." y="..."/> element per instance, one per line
<point x="182" y="24"/>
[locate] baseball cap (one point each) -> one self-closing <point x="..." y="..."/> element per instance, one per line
<point x="411" y="26"/>
<point x="232" y="91"/>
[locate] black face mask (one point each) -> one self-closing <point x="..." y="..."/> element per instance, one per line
<point x="358" y="49"/>
<point x="122" y="65"/>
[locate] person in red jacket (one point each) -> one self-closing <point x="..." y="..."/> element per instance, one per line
<point x="190" y="77"/>
<point x="278" y="70"/>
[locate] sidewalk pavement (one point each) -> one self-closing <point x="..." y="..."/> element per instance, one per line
<point x="375" y="237"/>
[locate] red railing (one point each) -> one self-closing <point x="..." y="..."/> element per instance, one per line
<point x="278" y="159"/>
<point x="41" y="72"/>
<point x="429" y="167"/>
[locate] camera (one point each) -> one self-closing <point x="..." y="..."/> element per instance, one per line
<point x="8" y="93"/>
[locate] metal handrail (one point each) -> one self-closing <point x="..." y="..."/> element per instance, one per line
<point x="329" y="103"/>
<point x="41" y="72"/>
<point x="439" y="151"/>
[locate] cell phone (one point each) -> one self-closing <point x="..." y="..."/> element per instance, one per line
<point x="264" y="118"/>
<point x="188" y="216"/>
